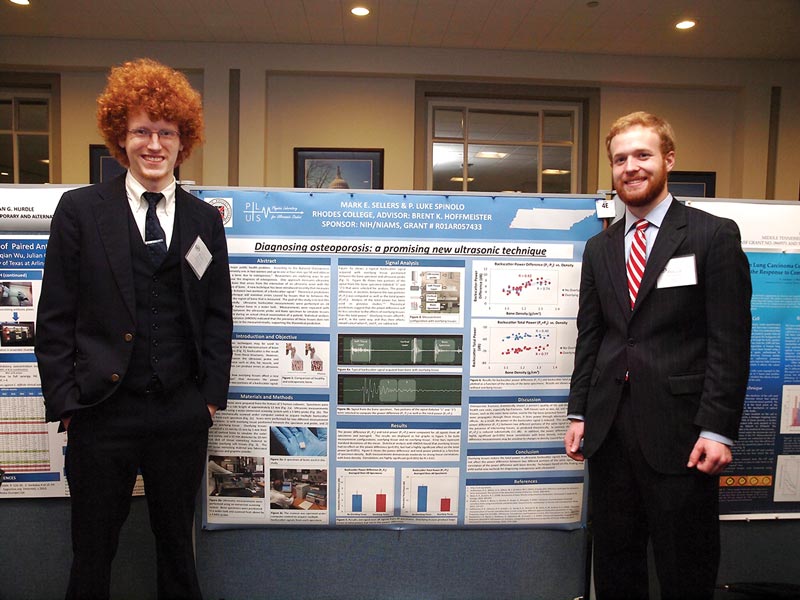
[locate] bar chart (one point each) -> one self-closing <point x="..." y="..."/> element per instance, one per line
<point x="430" y="491"/>
<point x="365" y="492"/>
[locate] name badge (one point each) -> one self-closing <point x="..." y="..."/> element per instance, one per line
<point x="198" y="257"/>
<point x="680" y="271"/>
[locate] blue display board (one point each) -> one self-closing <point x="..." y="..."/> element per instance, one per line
<point x="403" y="359"/>
<point x="763" y="481"/>
<point x="400" y="359"/>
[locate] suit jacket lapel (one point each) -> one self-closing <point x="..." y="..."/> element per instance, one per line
<point x="670" y="236"/>
<point x="111" y="213"/>
<point x="189" y="226"/>
<point x="615" y="262"/>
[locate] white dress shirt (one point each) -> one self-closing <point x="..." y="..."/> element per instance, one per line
<point x="165" y="209"/>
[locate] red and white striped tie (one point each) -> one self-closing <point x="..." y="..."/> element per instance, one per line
<point x="637" y="260"/>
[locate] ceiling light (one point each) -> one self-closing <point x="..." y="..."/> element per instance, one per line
<point x="555" y="172"/>
<point x="491" y="154"/>
<point x="360" y="11"/>
<point x="21" y="2"/>
<point x="461" y="179"/>
<point x="687" y="24"/>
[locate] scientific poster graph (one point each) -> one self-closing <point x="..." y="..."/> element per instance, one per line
<point x="402" y="350"/>
<point x="429" y="492"/>
<point x="527" y="287"/>
<point x="365" y="492"/>
<point x="543" y="289"/>
<point x="408" y="390"/>
<point x="543" y="347"/>
<point x="521" y="345"/>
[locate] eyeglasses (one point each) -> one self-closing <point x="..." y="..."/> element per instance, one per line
<point x="142" y="133"/>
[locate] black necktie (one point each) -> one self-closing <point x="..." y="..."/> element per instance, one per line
<point x="154" y="237"/>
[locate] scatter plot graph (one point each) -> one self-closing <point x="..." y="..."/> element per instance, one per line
<point x="512" y="345"/>
<point x="530" y="282"/>
<point x="533" y="348"/>
<point x="526" y="287"/>
<point x="536" y="289"/>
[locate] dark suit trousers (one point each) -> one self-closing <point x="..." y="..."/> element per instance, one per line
<point x="163" y="435"/>
<point x="631" y="503"/>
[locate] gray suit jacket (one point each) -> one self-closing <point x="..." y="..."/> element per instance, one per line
<point x="86" y="314"/>
<point x="686" y="348"/>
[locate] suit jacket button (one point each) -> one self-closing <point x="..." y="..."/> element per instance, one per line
<point x="631" y="342"/>
<point x="128" y="337"/>
<point x="114" y="377"/>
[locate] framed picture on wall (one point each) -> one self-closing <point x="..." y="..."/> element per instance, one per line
<point x="102" y="166"/>
<point x="339" y="168"/>
<point x="697" y="184"/>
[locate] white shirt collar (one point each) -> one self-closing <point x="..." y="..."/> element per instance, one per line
<point x="134" y="189"/>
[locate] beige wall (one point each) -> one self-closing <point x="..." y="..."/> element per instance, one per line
<point x="341" y="112"/>
<point x="78" y="123"/>
<point x="787" y="185"/>
<point x="704" y="122"/>
<point x="292" y="96"/>
<point x="79" y="91"/>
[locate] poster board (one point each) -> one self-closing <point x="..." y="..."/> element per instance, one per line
<point x="401" y="359"/>
<point x="370" y="358"/>
<point x="385" y="386"/>
<point x="763" y="481"/>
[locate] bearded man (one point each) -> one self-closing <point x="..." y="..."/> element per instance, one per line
<point x="661" y="368"/>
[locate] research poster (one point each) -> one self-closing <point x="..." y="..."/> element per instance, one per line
<point x="400" y="359"/>
<point x="403" y="359"/>
<point x="31" y="451"/>
<point x="764" y="478"/>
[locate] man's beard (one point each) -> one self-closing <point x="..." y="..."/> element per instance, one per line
<point x="654" y="188"/>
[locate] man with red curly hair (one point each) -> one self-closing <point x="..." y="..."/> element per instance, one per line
<point x="134" y="331"/>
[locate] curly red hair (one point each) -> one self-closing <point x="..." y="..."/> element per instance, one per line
<point x="161" y="92"/>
